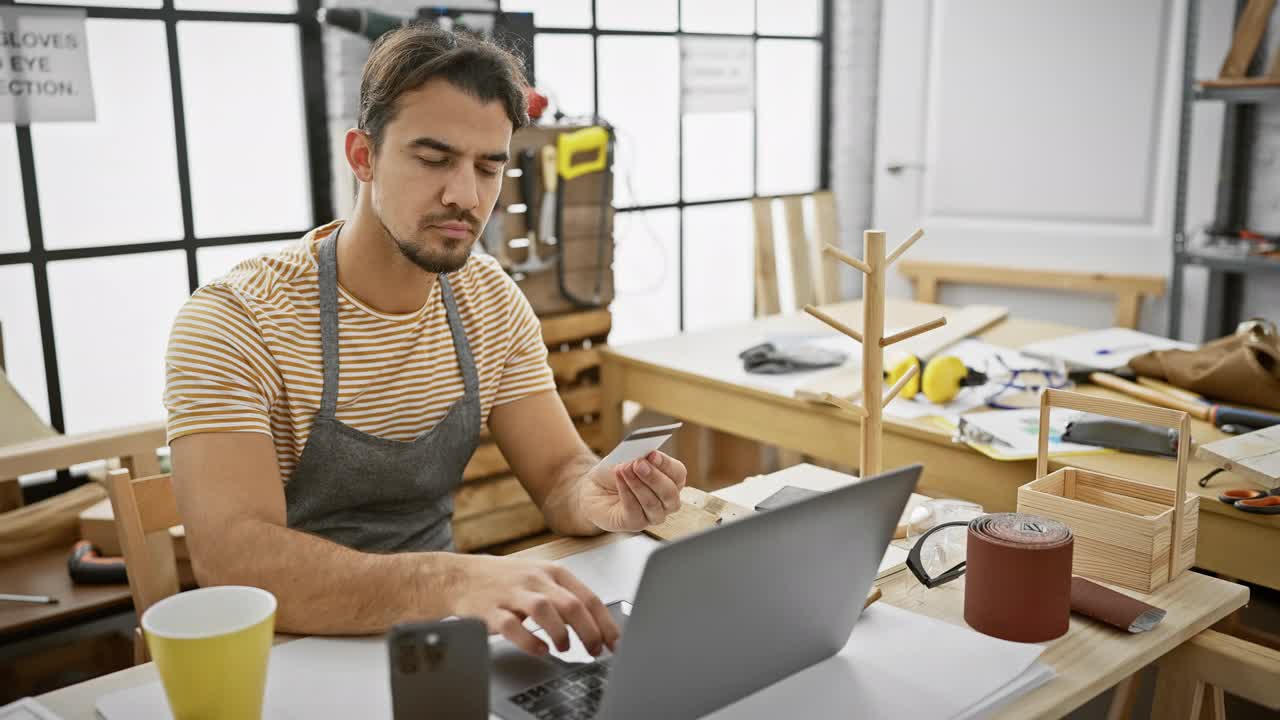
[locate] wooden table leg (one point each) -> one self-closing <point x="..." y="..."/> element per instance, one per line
<point x="1178" y="694"/>
<point x="612" y="381"/>
<point x="1126" y="692"/>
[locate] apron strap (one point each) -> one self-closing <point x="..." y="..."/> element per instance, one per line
<point x="470" y="381"/>
<point x="329" y="322"/>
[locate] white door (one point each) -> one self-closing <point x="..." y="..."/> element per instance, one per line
<point x="1041" y="134"/>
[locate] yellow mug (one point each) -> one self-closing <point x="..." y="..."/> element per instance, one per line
<point x="211" y="647"/>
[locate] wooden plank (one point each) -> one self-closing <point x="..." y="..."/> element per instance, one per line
<point x="1103" y="283"/>
<point x="49" y="523"/>
<point x="584" y="400"/>
<point x="767" y="302"/>
<point x="801" y="258"/>
<point x="482" y="531"/>
<point x="486" y="462"/>
<point x="63" y="451"/>
<point x="1250" y="28"/>
<point x="10" y="494"/>
<point x="558" y="329"/>
<point x="1128" y="306"/>
<point x="1255" y="456"/>
<point x="485" y="496"/>
<point x="827" y="232"/>
<point x="568" y="365"/>
<point x="1240" y="667"/>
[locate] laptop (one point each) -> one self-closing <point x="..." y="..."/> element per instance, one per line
<point x="723" y="613"/>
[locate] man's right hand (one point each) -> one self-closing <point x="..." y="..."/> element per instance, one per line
<point x="503" y="591"/>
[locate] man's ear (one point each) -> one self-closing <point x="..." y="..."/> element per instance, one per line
<point x="359" y="149"/>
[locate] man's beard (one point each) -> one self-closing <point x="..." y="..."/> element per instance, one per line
<point x="438" y="263"/>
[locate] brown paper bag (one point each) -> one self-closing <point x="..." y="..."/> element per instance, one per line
<point x="1243" y="368"/>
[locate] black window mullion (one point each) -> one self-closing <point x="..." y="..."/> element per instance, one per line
<point x="680" y="171"/>
<point x="39" y="267"/>
<point x="180" y="145"/>
<point x="315" y="111"/>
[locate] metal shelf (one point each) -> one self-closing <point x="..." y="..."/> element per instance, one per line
<point x="1244" y="94"/>
<point x="1243" y="264"/>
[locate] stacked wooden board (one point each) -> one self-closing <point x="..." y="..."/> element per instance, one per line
<point x="491" y="506"/>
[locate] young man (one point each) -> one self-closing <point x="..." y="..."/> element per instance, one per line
<point x="324" y="401"/>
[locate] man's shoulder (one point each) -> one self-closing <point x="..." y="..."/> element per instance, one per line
<point x="268" y="283"/>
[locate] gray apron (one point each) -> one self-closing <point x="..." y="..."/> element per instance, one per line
<point x="370" y="493"/>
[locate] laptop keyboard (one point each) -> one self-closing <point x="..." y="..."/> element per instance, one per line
<point x="572" y="696"/>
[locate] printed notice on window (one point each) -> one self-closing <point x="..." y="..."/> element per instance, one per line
<point x="717" y="74"/>
<point x="44" y="66"/>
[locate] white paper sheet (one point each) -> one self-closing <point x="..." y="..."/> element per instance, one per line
<point x="27" y="709"/>
<point x="1105" y="349"/>
<point x="1018" y="433"/>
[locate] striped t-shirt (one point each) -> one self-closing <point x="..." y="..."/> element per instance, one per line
<point x="244" y="353"/>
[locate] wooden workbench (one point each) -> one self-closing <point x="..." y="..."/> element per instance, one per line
<point x="698" y="378"/>
<point x="1088" y="660"/>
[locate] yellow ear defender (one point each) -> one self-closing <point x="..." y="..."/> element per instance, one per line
<point x="942" y="378"/>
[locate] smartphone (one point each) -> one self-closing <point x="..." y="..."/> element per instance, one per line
<point x="440" y="670"/>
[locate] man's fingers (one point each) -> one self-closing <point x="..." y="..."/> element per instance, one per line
<point x="575" y="613"/>
<point x="662" y="486"/>
<point x="648" y="500"/>
<point x="631" y="507"/>
<point x="670" y="467"/>
<point x="604" y="621"/>
<point x="511" y="627"/>
<point x="539" y="606"/>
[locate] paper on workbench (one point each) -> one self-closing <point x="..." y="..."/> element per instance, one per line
<point x="1103" y="349"/>
<point x="900" y="664"/>
<point x="1014" y="434"/>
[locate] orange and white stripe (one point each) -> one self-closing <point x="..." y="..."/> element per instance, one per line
<point x="244" y="353"/>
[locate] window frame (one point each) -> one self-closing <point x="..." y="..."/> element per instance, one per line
<point x="315" y="114"/>
<point x="823" y="38"/>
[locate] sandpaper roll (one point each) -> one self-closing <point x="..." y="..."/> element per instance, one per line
<point x="1018" y="577"/>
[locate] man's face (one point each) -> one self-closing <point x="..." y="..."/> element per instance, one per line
<point x="437" y="174"/>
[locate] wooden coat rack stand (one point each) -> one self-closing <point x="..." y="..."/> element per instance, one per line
<point x="873" y="265"/>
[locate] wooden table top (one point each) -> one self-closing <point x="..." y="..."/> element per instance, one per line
<point x="1089" y="659"/>
<point x="711" y="357"/>
<point x="45" y="573"/>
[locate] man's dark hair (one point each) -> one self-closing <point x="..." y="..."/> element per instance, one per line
<point x="404" y="59"/>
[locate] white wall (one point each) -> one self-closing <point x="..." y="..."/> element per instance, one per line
<point x="854" y="104"/>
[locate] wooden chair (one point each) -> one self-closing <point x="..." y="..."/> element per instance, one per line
<point x="145" y="509"/>
<point x="1127" y="289"/>
<point x="814" y="282"/>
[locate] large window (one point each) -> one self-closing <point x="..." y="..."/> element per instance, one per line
<point x="684" y="180"/>
<point x="209" y="146"/>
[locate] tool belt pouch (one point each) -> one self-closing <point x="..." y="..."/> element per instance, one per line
<point x="1243" y="368"/>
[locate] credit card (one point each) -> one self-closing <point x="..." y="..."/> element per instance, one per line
<point x="639" y="443"/>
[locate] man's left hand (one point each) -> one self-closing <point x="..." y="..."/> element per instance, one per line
<point x="634" y="495"/>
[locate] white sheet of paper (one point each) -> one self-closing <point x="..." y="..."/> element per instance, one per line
<point x="1105" y="349"/>
<point x="1019" y="429"/>
<point x="27" y="709"/>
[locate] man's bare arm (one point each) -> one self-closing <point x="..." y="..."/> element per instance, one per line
<point x="232" y="503"/>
